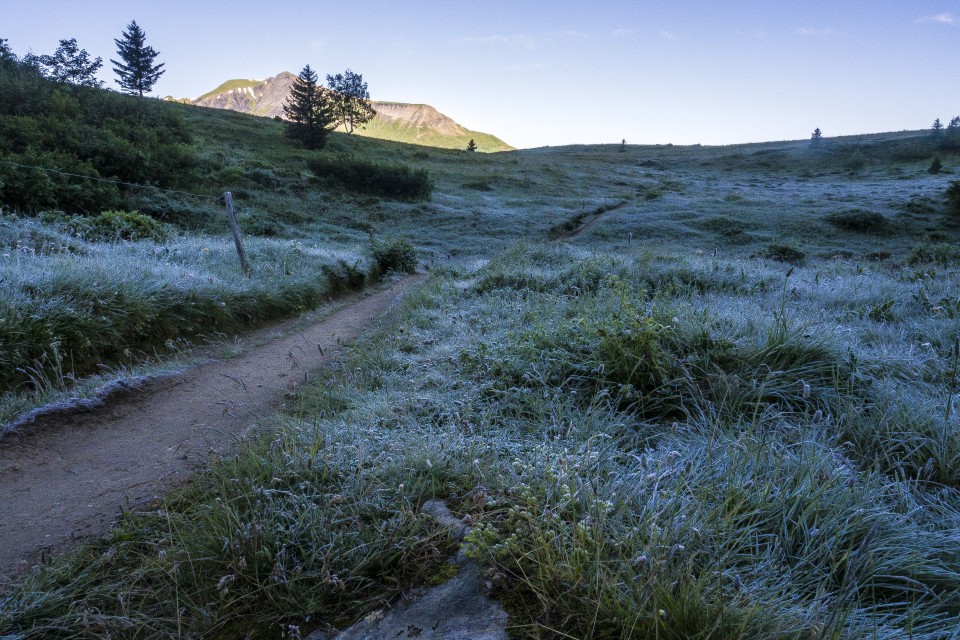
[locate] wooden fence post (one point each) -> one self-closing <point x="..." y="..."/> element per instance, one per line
<point x="228" y="200"/>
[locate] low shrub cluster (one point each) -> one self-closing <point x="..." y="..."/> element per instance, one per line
<point x="344" y="277"/>
<point x="783" y="253"/>
<point x="111" y="226"/>
<point x="67" y="129"/>
<point x="393" y="255"/>
<point x="857" y="220"/>
<point x="930" y="252"/>
<point x="953" y="198"/>
<point x="362" y="176"/>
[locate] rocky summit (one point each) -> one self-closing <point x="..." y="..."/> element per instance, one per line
<point x="401" y="122"/>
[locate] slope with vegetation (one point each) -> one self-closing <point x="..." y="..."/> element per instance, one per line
<point x="727" y="409"/>
<point x="410" y="123"/>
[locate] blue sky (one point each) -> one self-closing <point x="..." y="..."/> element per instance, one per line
<point x="551" y="73"/>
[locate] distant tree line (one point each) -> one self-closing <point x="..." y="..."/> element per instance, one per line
<point x="313" y="110"/>
<point x="136" y="70"/>
<point x="949" y="135"/>
<point x="54" y="121"/>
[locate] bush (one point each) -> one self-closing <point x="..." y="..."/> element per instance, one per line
<point x="344" y="277"/>
<point x="394" y="254"/>
<point x="936" y="166"/>
<point x="725" y="226"/>
<point x="941" y="253"/>
<point x="362" y="176"/>
<point x="856" y="163"/>
<point x="66" y="129"/>
<point x="111" y="226"/>
<point x="857" y="220"/>
<point x="953" y="197"/>
<point x="783" y="253"/>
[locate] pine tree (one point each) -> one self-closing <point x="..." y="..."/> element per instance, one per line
<point x="350" y="100"/>
<point x="6" y="53"/>
<point x="936" y="128"/>
<point x="137" y="73"/>
<point x="471" y="146"/>
<point x="309" y="111"/>
<point x="953" y="129"/>
<point x="71" y="64"/>
<point x="816" y="137"/>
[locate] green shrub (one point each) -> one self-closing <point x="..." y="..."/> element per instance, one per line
<point x="857" y="220"/>
<point x="362" y="176"/>
<point x="65" y="129"/>
<point x="783" y="253"/>
<point x="856" y="163"/>
<point x="920" y="205"/>
<point x="394" y="254"/>
<point x="110" y="226"/>
<point x="725" y="226"/>
<point x="936" y="166"/>
<point x="127" y="225"/>
<point x="941" y="253"/>
<point x="344" y="277"/>
<point x="953" y="197"/>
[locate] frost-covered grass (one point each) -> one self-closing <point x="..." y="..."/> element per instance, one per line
<point x="650" y="445"/>
<point x="71" y="308"/>
<point x="656" y="436"/>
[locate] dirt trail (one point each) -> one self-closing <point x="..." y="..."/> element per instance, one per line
<point x="69" y="476"/>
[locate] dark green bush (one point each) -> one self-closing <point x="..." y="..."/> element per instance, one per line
<point x="112" y="226"/>
<point x="394" y="254"/>
<point x="344" y="277"/>
<point x="856" y="162"/>
<point x="362" y="176"/>
<point x="783" y="253"/>
<point x="953" y="197"/>
<point x="127" y="225"/>
<point x="941" y="253"/>
<point x="93" y="133"/>
<point x="857" y="220"/>
<point x="725" y="226"/>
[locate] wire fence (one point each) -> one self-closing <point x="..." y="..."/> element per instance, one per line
<point x="119" y="182"/>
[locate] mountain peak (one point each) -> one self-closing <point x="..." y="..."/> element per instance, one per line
<point x="398" y="121"/>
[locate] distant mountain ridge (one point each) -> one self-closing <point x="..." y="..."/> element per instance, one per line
<point x="401" y="122"/>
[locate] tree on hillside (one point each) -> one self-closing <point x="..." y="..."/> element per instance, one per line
<point x="309" y="111"/>
<point x="136" y="73"/>
<point x="350" y="100"/>
<point x="953" y="129"/>
<point x="816" y="137"/>
<point x="69" y="63"/>
<point x="471" y="146"/>
<point x="6" y="53"/>
<point x="937" y="128"/>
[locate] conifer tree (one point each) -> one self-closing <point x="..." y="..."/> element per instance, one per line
<point x="471" y="146"/>
<point x="6" y="53"/>
<point x="308" y="110"/>
<point x="953" y="129"/>
<point x="350" y="100"/>
<point x="936" y="128"/>
<point x="816" y="137"/>
<point x="136" y="73"/>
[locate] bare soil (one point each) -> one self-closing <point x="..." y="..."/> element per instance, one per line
<point x="69" y="475"/>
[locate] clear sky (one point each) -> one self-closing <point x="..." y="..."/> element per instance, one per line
<point x="561" y="71"/>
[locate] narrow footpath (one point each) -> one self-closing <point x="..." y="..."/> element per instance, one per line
<point x="68" y="476"/>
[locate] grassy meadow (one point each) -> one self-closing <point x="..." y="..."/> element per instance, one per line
<point x="727" y="409"/>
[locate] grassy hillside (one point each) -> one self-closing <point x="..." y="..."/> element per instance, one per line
<point x="231" y="85"/>
<point x="727" y="409"/>
<point x="399" y="131"/>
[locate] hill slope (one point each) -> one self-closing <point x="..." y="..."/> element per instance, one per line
<point x="397" y="121"/>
